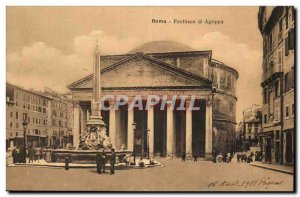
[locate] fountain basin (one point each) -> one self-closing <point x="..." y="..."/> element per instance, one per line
<point x="84" y="156"/>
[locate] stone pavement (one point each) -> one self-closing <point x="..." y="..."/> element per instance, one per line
<point x="175" y="176"/>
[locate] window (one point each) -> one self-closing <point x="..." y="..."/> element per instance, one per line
<point x="277" y="88"/>
<point x="265" y="95"/>
<point x="277" y="115"/>
<point x="286" y="18"/>
<point x="11" y="114"/>
<point x="11" y="125"/>
<point x="291" y="39"/>
<point x="270" y="42"/>
<point x="286" y="46"/>
<point x="28" y="106"/>
<point x="17" y="134"/>
<point x="287" y="111"/>
<point x="289" y="80"/>
<point x="277" y="134"/>
<point x="293" y="109"/>
<point x="280" y="30"/>
<point x="265" y="119"/>
<point x="279" y="57"/>
<point x="17" y="115"/>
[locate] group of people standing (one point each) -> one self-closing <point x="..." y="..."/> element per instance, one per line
<point x="243" y="157"/>
<point x="20" y="155"/>
<point x="101" y="159"/>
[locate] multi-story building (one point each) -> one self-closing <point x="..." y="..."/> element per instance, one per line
<point x="276" y="25"/>
<point x="250" y="127"/>
<point x="61" y="119"/>
<point x="49" y="117"/>
<point x="36" y="106"/>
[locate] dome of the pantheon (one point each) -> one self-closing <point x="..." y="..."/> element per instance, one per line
<point x="161" y="47"/>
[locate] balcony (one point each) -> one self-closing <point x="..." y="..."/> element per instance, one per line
<point x="276" y="68"/>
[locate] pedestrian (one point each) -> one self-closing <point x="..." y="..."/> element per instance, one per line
<point x="141" y="163"/>
<point x="31" y="155"/>
<point x="37" y="154"/>
<point x="22" y="155"/>
<point x="99" y="162"/>
<point x="224" y="157"/>
<point x="229" y="157"/>
<point x="103" y="161"/>
<point x="183" y="156"/>
<point x="15" y="156"/>
<point x="112" y="161"/>
<point x="195" y="158"/>
<point x="41" y="153"/>
<point x="238" y="157"/>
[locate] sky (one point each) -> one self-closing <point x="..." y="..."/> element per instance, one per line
<point x="53" y="46"/>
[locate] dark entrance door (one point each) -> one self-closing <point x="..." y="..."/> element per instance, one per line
<point x="140" y="118"/>
<point x="289" y="149"/>
<point x="198" y="119"/>
<point x="268" y="150"/>
<point x="160" y="130"/>
<point x="180" y="124"/>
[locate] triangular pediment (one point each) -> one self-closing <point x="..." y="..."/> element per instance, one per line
<point x="142" y="71"/>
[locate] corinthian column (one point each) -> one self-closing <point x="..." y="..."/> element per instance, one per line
<point x="170" y="131"/>
<point x="112" y="124"/>
<point x="150" y="123"/>
<point x="188" y="131"/>
<point x="130" y="131"/>
<point x="208" y="129"/>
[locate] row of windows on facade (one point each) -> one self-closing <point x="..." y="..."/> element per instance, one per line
<point x="59" y="105"/>
<point x="288" y="18"/>
<point x="61" y="114"/>
<point x="34" y="131"/>
<point x="38" y="122"/>
<point x="288" y="113"/>
<point x="34" y="120"/>
<point x="31" y="99"/>
<point x="28" y="106"/>
<point x="289" y="83"/>
<point x="60" y="123"/>
<point x="277" y="57"/>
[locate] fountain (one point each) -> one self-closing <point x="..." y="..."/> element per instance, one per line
<point x="95" y="138"/>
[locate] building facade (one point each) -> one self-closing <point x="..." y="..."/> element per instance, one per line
<point x="276" y="25"/>
<point x="163" y="68"/>
<point x="40" y="108"/>
<point x="250" y="128"/>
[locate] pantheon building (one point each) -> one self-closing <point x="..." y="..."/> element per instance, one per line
<point x="163" y="68"/>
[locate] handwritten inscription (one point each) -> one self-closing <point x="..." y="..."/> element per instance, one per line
<point x="264" y="182"/>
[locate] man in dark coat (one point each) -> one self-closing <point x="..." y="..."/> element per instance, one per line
<point x="22" y="155"/>
<point x="31" y="155"/>
<point x="15" y="156"/>
<point x="112" y="161"/>
<point x="103" y="160"/>
<point x="183" y="156"/>
<point x="99" y="162"/>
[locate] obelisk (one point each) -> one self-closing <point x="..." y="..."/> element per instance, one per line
<point x="95" y="118"/>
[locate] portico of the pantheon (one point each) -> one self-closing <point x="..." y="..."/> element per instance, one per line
<point x="163" y="68"/>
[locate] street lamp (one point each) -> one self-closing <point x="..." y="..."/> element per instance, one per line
<point x="134" y="129"/>
<point x="148" y="155"/>
<point x="25" y="124"/>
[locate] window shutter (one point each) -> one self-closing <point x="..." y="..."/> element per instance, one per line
<point x="291" y="39"/>
<point x="286" y="44"/>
